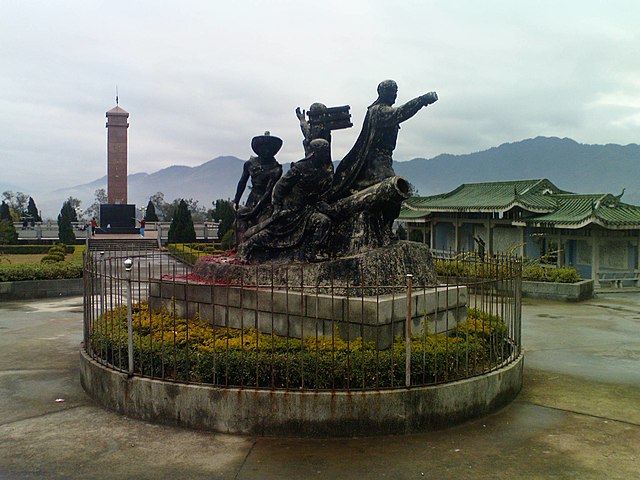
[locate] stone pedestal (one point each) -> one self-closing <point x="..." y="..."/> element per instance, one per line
<point x="376" y="272"/>
<point x="360" y="296"/>
<point x="299" y="314"/>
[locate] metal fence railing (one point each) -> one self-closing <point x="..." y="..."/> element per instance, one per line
<point x="147" y="314"/>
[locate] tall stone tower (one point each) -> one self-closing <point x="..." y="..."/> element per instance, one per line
<point x="117" y="125"/>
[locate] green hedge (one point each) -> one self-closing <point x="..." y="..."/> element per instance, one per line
<point x="30" y="249"/>
<point x="169" y="347"/>
<point x="538" y="273"/>
<point x="190" y="252"/>
<point x="37" y="271"/>
<point x="530" y="271"/>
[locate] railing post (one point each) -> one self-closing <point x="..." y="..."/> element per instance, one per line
<point x="128" y="263"/>
<point x="102" y="281"/>
<point x="408" y="332"/>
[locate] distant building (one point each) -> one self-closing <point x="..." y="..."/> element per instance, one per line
<point x="597" y="234"/>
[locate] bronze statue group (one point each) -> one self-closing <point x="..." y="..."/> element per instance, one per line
<point x="312" y="213"/>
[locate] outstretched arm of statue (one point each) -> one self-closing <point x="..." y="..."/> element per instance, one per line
<point x="241" y="184"/>
<point x="395" y="116"/>
<point x="429" y="98"/>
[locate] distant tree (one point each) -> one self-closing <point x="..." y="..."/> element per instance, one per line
<point x="65" y="229"/>
<point x="150" y="213"/>
<point x="5" y="213"/>
<point x="100" y="196"/>
<point x="181" y="229"/>
<point x="32" y="210"/>
<point x="227" y="240"/>
<point x="74" y="205"/>
<point x="225" y="214"/>
<point x="17" y="204"/>
<point x="8" y="234"/>
<point x="161" y="206"/>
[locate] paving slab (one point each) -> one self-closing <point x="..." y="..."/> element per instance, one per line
<point x="577" y="416"/>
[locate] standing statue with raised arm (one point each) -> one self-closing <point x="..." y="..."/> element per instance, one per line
<point x="311" y="131"/>
<point x="370" y="162"/>
<point x="264" y="171"/>
<point x="371" y="159"/>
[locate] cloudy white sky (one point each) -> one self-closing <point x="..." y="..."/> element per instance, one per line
<point x="200" y="78"/>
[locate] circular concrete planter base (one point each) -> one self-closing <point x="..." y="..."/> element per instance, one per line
<point x="294" y="413"/>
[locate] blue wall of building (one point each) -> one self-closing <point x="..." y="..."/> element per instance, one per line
<point x="444" y="232"/>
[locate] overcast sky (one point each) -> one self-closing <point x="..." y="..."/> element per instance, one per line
<point x="200" y="78"/>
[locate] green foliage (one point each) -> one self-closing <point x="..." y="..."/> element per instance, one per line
<point x="32" y="210"/>
<point x="100" y="196"/>
<point x="33" y="249"/>
<point x="165" y="345"/>
<point x="227" y="241"/>
<point x="34" y="271"/>
<point x="5" y="213"/>
<point x="17" y="203"/>
<point x="538" y="273"/>
<point x="225" y="214"/>
<point x="150" y="214"/>
<point x="8" y="234"/>
<point x="65" y="230"/>
<point x="49" y="270"/>
<point x="55" y="254"/>
<point x="182" y="229"/>
<point x="471" y="267"/>
<point x="190" y="252"/>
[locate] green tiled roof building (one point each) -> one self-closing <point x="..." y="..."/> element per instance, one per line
<point x="598" y="234"/>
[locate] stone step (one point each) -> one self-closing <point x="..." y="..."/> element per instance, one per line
<point x="122" y="244"/>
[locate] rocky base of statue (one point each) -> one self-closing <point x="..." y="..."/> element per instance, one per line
<point x="377" y="272"/>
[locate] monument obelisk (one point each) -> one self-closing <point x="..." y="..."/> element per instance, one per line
<point x="117" y="125"/>
<point x="117" y="216"/>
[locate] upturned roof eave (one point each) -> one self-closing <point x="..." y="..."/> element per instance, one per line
<point x="483" y="208"/>
<point x="592" y="219"/>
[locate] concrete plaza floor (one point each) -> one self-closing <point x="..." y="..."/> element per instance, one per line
<point x="577" y="417"/>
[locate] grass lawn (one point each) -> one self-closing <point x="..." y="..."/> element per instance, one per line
<point x="21" y="259"/>
<point x="13" y="259"/>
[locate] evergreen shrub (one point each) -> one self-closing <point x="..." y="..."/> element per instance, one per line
<point x="31" y="249"/>
<point x="170" y="347"/>
<point x="182" y="229"/>
<point x="35" y="271"/>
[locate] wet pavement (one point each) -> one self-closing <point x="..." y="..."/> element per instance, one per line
<point x="577" y="417"/>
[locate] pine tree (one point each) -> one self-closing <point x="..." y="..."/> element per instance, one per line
<point x="150" y="214"/>
<point x="32" y="210"/>
<point x="225" y="215"/>
<point x="65" y="230"/>
<point x="8" y="234"/>
<point x="5" y="213"/>
<point x="181" y="229"/>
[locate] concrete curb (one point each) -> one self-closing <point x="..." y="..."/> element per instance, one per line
<point x="294" y="413"/>
<point x="28" y="289"/>
<point x="564" y="292"/>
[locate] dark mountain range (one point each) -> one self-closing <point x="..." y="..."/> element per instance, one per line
<point x="570" y="165"/>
